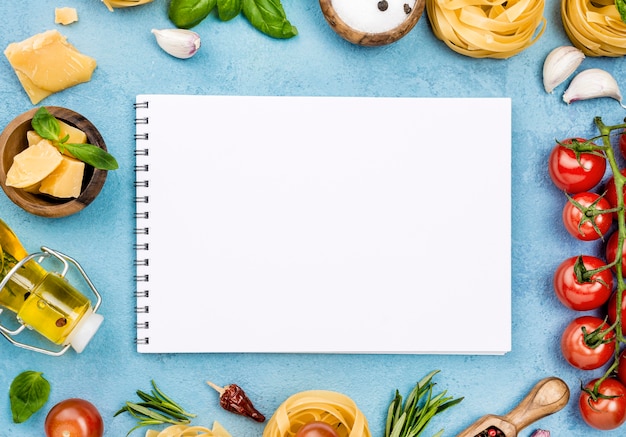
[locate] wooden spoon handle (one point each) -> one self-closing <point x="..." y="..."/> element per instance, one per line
<point x="547" y="397"/>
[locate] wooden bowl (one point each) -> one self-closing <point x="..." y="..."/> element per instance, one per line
<point x="13" y="141"/>
<point x="371" y="38"/>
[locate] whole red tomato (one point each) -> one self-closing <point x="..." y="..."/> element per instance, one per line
<point x="575" y="172"/>
<point x="74" y="417"/>
<point x="583" y="217"/>
<point x="317" y="429"/>
<point x="612" y="312"/>
<point x="607" y="411"/>
<point x="621" y="368"/>
<point x="577" y="291"/>
<point x="611" y="192"/>
<point x="611" y="252"/>
<point x="579" y="352"/>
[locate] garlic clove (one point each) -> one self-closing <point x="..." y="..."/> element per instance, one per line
<point x="180" y="43"/>
<point x="559" y="65"/>
<point x="591" y="84"/>
<point x="541" y="433"/>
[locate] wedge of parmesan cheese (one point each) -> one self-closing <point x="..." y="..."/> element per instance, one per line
<point x="33" y="164"/>
<point x="65" y="15"/>
<point x="46" y="63"/>
<point x="66" y="180"/>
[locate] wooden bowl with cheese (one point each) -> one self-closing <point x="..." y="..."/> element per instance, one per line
<point x="54" y="196"/>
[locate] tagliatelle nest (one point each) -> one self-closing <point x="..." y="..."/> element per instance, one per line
<point x="595" y="27"/>
<point x="335" y="409"/>
<point x="487" y="28"/>
<point x="111" y="4"/>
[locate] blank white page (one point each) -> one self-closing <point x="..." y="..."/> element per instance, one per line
<point x="324" y="224"/>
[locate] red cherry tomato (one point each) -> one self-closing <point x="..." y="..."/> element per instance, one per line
<point x="621" y="368"/>
<point x="604" y="413"/>
<point x="578" y="352"/>
<point x="587" y="294"/>
<point x="611" y="252"/>
<point x="74" y="417"/>
<point x="611" y="193"/>
<point x="575" y="174"/>
<point x="612" y="313"/>
<point x="317" y="429"/>
<point x="583" y="217"/>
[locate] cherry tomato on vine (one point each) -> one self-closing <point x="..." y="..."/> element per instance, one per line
<point x="317" y="429"/>
<point x="611" y="193"/>
<point x="621" y="368"/>
<point x="583" y="217"/>
<point x="74" y="417"/>
<point x="612" y="313"/>
<point x="575" y="172"/>
<point x="604" y="413"/>
<point x="578" y="290"/>
<point x="578" y="351"/>
<point x="622" y="143"/>
<point x="611" y="252"/>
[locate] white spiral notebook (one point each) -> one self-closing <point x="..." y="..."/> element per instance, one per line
<point x="323" y="224"/>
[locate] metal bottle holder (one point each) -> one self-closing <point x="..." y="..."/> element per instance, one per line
<point x="67" y="262"/>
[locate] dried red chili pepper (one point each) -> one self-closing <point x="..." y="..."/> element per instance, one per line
<point x="235" y="400"/>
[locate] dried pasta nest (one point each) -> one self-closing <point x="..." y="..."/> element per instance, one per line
<point x="595" y="27"/>
<point x="335" y="409"/>
<point x="487" y="28"/>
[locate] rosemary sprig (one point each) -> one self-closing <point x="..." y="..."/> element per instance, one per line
<point x="155" y="408"/>
<point x="411" y="418"/>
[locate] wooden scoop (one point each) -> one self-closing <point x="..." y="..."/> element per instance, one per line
<point x="548" y="396"/>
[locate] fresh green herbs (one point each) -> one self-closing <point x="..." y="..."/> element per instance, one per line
<point x="411" y="418"/>
<point x="621" y="8"/>
<point x="29" y="392"/>
<point x="48" y="127"/>
<point x="267" y="16"/>
<point x="155" y="408"/>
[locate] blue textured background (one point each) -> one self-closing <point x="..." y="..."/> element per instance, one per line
<point x="236" y="59"/>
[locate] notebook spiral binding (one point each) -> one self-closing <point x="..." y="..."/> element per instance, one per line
<point x="142" y="228"/>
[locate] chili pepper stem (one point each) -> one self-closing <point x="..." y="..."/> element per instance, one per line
<point x="219" y="389"/>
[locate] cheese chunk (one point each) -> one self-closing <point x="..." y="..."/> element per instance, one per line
<point x="46" y="63"/>
<point x="65" y="15"/>
<point x="32" y="138"/>
<point x="33" y="164"/>
<point x="76" y="136"/>
<point x="66" y="180"/>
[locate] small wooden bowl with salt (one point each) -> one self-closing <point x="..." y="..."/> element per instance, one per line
<point x="13" y="141"/>
<point x="372" y="22"/>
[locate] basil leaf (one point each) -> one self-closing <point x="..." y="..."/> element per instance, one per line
<point x="621" y="8"/>
<point x="46" y="125"/>
<point x="92" y="155"/>
<point x="28" y="393"/>
<point x="228" y="9"/>
<point x="186" y="14"/>
<point x="269" y="17"/>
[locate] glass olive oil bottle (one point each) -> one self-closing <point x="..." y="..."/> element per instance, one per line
<point x="41" y="300"/>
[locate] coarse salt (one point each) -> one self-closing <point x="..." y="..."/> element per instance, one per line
<point x="373" y="16"/>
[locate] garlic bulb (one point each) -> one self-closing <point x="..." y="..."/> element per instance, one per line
<point x="180" y="43"/>
<point x="541" y="433"/>
<point x="559" y="65"/>
<point x="590" y="84"/>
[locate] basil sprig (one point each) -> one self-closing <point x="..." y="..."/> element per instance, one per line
<point x="267" y="16"/>
<point x="48" y="127"/>
<point x="621" y="8"/>
<point x="29" y="392"/>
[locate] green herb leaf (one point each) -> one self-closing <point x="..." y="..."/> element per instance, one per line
<point x="186" y="14"/>
<point x="228" y="9"/>
<point x="269" y="17"/>
<point x="621" y="8"/>
<point x="411" y="419"/>
<point x="92" y="155"/>
<point x="28" y="393"/>
<point x="46" y="125"/>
